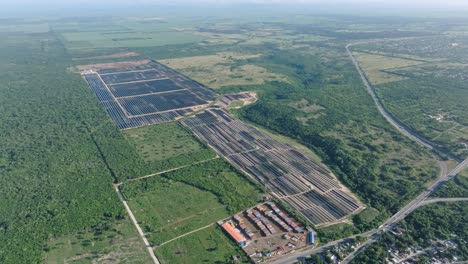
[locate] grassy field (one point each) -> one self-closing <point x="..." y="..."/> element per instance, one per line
<point x="168" y="145"/>
<point x="172" y="208"/>
<point x="209" y="245"/>
<point x="184" y="200"/>
<point x="428" y="97"/>
<point x="164" y="141"/>
<point x="374" y="65"/>
<point x="223" y="69"/>
<point x="117" y="242"/>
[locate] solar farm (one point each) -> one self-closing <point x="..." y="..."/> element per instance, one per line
<point x="145" y="92"/>
<point x="290" y="175"/>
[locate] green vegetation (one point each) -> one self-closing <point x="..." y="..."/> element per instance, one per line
<point x="428" y="94"/>
<point x="60" y="152"/>
<point x="183" y="200"/>
<point x="167" y="146"/>
<point x="426" y="227"/>
<point x="335" y="232"/>
<point x="384" y="168"/>
<point x="456" y="188"/>
<point x="167" y="209"/>
<point x="55" y="178"/>
<point x="209" y="245"/>
<point x="113" y="241"/>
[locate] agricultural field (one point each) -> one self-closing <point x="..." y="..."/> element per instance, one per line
<point x="190" y="198"/>
<point x="113" y="242"/>
<point x="209" y="245"/>
<point x="223" y="69"/>
<point x="172" y="208"/>
<point x="429" y="97"/>
<point x="375" y="66"/>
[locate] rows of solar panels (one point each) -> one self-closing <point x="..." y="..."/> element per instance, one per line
<point x="303" y="183"/>
<point x="147" y="94"/>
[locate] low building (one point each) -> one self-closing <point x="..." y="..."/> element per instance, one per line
<point x="234" y="233"/>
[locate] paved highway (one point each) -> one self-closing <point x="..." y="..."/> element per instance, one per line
<point x="374" y="234"/>
<point x="418" y="201"/>
<point x="413" y="205"/>
<point x="370" y="89"/>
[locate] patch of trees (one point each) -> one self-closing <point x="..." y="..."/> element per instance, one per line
<point x="216" y="176"/>
<point x="54" y="181"/>
<point x="356" y="159"/>
<point x="425" y="227"/>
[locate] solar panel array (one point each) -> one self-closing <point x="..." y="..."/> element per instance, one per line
<point x="294" y="177"/>
<point x="147" y="94"/>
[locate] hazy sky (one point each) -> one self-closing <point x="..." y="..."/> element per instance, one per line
<point x="413" y="3"/>
<point x="377" y="5"/>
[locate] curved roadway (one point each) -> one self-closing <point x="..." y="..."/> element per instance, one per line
<point x="420" y="200"/>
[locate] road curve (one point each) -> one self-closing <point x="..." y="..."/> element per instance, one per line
<point x="415" y="203"/>
<point x="389" y="117"/>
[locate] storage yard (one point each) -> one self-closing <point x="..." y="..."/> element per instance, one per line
<point x="265" y="231"/>
<point x="145" y="93"/>
<point x="290" y="175"/>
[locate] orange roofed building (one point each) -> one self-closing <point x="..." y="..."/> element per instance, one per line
<point x="234" y="233"/>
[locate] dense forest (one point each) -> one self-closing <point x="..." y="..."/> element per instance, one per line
<point x="54" y="135"/>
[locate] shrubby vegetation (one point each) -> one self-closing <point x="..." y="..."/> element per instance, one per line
<point x="384" y="168"/>
<point x="217" y="176"/>
<point x="453" y="189"/>
<point x="167" y="146"/>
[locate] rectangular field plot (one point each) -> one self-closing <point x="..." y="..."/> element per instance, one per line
<point x="147" y="104"/>
<point x="145" y="92"/>
<point x="114" y="78"/>
<point x="143" y="87"/>
<point x="292" y="176"/>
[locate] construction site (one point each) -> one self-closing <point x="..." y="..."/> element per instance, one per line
<point x="266" y="231"/>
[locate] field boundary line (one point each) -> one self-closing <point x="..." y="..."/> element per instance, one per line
<point x="119" y="72"/>
<point x="139" y="95"/>
<point x="135" y="222"/>
<point x="165" y="171"/>
<point x="140" y="81"/>
<point x="115" y="99"/>
<point x="202" y="106"/>
<point x="186" y="234"/>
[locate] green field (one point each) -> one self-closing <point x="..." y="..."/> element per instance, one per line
<point x="209" y="245"/>
<point x="113" y="242"/>
<point x="170" y="208"/>
<point x="184" y="200"/>
<point x="167" y="146"/>
<point x="429" y="93"/>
